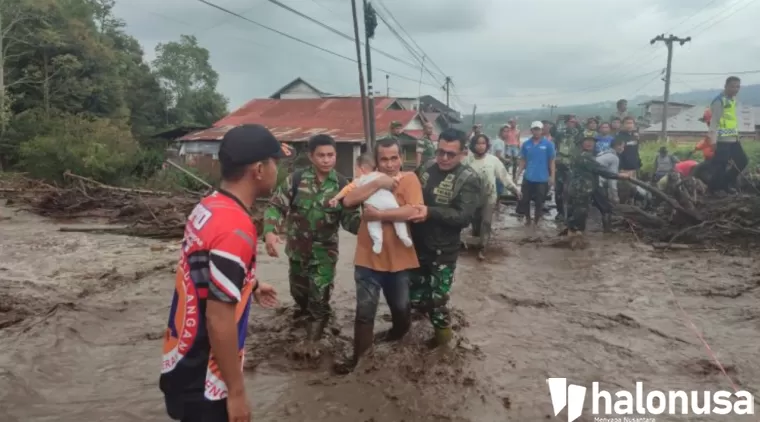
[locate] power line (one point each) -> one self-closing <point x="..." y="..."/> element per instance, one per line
<point x="337" y="32"/>
<point x="393" y="17"/>
<point x="215" y="6"/>
<point x="582" y="90"/>
<point x="732" y="10"/>
<point x="743" y="72"/>
<point x="408" y="47"/>
<point x="639" y="58"/>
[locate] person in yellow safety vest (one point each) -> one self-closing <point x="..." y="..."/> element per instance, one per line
<point x="730" y="158"/>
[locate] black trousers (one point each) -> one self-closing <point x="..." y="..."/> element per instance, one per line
<point x="724" y="173"/>
<point x="532" y="192"/>
<point x="200" y="411"/>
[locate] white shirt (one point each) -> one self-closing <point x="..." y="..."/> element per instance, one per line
<point x="490" y="168"/>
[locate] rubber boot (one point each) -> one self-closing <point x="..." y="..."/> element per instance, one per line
<point x="400" y="327"/>
<point x="316" y="329"/>
<point x="363" y="338"/>
<point x="314" y="332"/>
<point x="441" y="337"/>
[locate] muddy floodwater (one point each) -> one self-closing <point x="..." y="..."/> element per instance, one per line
<point x="82" y="316"/>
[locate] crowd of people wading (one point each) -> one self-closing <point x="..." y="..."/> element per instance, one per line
<point x="408" y="232"/>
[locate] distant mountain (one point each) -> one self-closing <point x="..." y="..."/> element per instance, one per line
<point x="749" y="94"/>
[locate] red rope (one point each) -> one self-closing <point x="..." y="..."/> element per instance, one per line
<point x="702" y="339"/>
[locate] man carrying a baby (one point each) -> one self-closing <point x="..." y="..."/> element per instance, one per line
<point x="388" y="270"/>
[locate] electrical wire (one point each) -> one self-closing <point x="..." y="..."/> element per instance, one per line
<point x="743" y="72"/>
<point x="731" y="10"/>
<point x="421" y="60"/>
<point x="294" y="38"/>
<point x="393" y="17"/>
<point x="339" y="33"/>
<point x="575" y="91"/>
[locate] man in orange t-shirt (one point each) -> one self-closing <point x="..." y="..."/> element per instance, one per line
<point x="387" y="271"/>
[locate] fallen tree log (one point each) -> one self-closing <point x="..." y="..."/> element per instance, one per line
<point x="638" y="215"/>
<point x="661" y="195"/>
<point x="115" y="188"/>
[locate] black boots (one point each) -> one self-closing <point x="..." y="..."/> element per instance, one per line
<point x="363" y="338"/>
<point x="401" y="323"/>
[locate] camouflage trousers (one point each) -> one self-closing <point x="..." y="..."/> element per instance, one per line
<point x="429" y="290"/>
<point x="579" y="202"/>
<point x="311" y="283"/>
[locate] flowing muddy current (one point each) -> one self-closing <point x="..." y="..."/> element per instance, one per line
<point x="82" y="315"/>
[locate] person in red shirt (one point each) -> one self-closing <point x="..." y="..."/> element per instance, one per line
<point x="684" y="168"/>
<point x="703" y="170"/>
<point x="708" y="150"/>
<point x="202" y="365"/>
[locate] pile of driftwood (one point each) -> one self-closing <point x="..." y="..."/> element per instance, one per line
<point x="684" y="218"/>
<point x="137" y="212"/>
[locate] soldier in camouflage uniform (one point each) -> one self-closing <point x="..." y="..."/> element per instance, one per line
<point x="425" y="146"/>
<point x="395" y="130"/>
<point x="311" y="227"/>
<point x="568" y="141"/>
<point x="451" y="192"/>
<point x="583" y="187"/>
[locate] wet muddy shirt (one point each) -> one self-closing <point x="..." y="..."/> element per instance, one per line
<point x="311" y="224"/>
<point x="217" y="262"/>
<point x="452" y="198"/>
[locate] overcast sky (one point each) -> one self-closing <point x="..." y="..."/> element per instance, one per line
<point x="501" y="54"/>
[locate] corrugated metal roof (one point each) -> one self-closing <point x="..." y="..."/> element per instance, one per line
<point x="688" y="120"/>
<point x="295" y="120"/>
<point x="431" y="117"/>
<point x="418" y="133"/>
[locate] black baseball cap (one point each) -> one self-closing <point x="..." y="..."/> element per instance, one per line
<point x="248" y="144"/>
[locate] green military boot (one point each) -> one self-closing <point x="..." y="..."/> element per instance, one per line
<point x="442" y="337"/>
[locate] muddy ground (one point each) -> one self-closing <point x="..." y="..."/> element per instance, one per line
<point x="81" y="317"/>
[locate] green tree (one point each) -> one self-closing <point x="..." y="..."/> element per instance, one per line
<point x="189" y="81"/>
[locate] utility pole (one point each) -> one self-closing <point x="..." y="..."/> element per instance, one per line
<point x="474" y="110"/>
<point x="365" y="117"/>
<point x="370" y="23"/>
<point x="387" y="86"/>
<point x="446" y="87"/>
<point x="551" y="108"/>
<point x="669" y="40"/>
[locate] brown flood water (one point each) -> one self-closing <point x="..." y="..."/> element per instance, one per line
<point x="81" y="317"/>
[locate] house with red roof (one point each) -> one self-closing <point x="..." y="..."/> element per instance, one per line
<point x="299" y="111"/>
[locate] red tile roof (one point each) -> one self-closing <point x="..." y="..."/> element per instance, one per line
<point x="294" y="120"/>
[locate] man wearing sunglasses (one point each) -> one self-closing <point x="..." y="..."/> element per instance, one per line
<point x="451" y="192"/>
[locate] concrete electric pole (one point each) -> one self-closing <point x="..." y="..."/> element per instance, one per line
<point x="669" y="40"/>
<point x="446" y="87"/>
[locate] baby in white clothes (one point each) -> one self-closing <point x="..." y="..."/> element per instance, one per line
<point x="383" y="199"/>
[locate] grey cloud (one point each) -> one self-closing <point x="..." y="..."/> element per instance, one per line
<point x="497" y="51"/>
